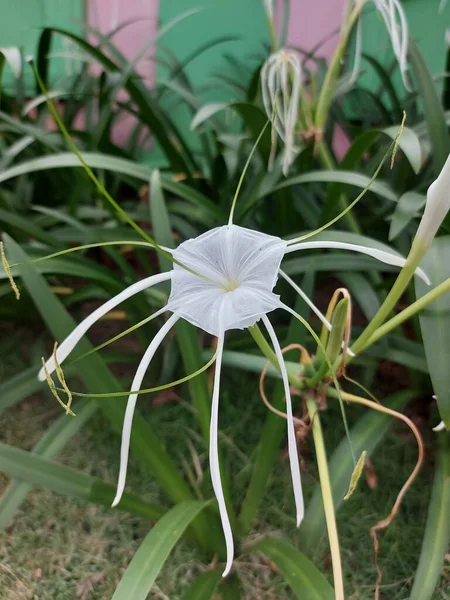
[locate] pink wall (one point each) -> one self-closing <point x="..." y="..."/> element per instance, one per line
<point x="106" y="15"/>
<point x="312" y="21"/>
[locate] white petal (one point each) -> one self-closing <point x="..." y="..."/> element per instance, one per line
<point x="292" y="444"/>
<point x="131" y="404"/>
<point x="214" y="459"/>
<point x="437" y="205"/>
<point x="381" y="255"/>
<point x="73" y="338"/>
<point x="311" y="305"/>
<point x="309" y="302"/>
<point x="440" y="427"/>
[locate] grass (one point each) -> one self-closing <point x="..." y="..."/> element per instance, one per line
<point x="58" y="548"/>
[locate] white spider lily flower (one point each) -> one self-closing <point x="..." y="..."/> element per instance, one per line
<point x="396" y="23"/>
<point x="239" y="269"/>
<point x="281" y="80"/>
<point x="436" y="206"/>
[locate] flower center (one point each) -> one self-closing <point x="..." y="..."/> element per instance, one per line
<point x="230" y="286"/>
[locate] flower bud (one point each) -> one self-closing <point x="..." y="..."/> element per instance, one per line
<point x="281" y="79"/>
<point x="394" y="18"/>
<point x="436" y="207"/>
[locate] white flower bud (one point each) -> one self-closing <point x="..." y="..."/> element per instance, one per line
<point x="394" y="18"/>
<point x="436" y="207"/>
<point x="281" y="80"/>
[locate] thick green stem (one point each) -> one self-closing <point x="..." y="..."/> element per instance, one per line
<point x="329" y="85"/>
<point x="327" y="497"/>
<point x="409" y="312"/>
<point x="405" y="275"/>
<point x="322" y="464"/>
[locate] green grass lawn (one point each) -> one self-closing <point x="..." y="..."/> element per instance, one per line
<point x="58" y="548"/>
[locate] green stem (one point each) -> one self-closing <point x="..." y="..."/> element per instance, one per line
<point x="327" y="497"/>
<point x="329" y="85"/>
<point x="409" y="312"/>
<point x="403" y="279"/>
<point x="322" y="464"/>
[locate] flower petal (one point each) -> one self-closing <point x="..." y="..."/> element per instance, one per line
<point x="311" y="304"/>
<point x="73" y="338"/>
<point x="292" y="444"/>
<point x="381" y="255"/>
<point x="131" y="404"/>
<point x="214" y="458"/>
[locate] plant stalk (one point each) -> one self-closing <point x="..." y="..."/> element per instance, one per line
<point x="322" y="464"/>
<point x="403" y="279"/>
<point x="327" y="497"/>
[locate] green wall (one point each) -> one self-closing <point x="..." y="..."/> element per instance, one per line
<point x="244" y="19"/>
<point x="21" y="22"/>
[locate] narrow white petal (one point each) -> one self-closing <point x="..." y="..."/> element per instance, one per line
<point x="311" y="304"/>
<point x="214" y="459"/>
<point x="381" y="255"/>
<point x="292" y="444"/>
<point x="440" y="427"/>
<point x="131" y="404"/>
<point x="73" y="338"/>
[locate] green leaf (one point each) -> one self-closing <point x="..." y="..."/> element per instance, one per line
<point x="408" y="207"/>
<point x="365" y="435"/>
<point x="434" y="113"/>
<point x="408" y="142"/>
<point x="25" y="225"/>
<point x="116" y="165"/>
<point x="303" y="577"/>
<point x="435" y="323"/>
<point x="150" y="112"/>
<point x="98" y="378"/>
<point x="437" y="530"/>
<point x="204" y="586"/>
<point x="19" y="387"/>
<point x="162" y="231"/>
<point x="254" y="118"/>
<point x="43" y="472"/>
<point x="48" y="446"/>
<point x="386" y="80"/>
<point x="347" y="177"/>
<point x="148" y="561"/>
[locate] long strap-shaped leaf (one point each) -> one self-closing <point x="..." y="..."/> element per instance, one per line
<point x="303" y="577"/>
<point x="204" y="587"/>
<point x="154" y="550"/>
<point x="65" y="480"/>
<point x="435" y="323"/>
<point x="434" y="113"/>
<point x="48" y="446"/>
<point x="437" y="530"/>
<point x="151" y="114"/>
<point x="95" y="160"/>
